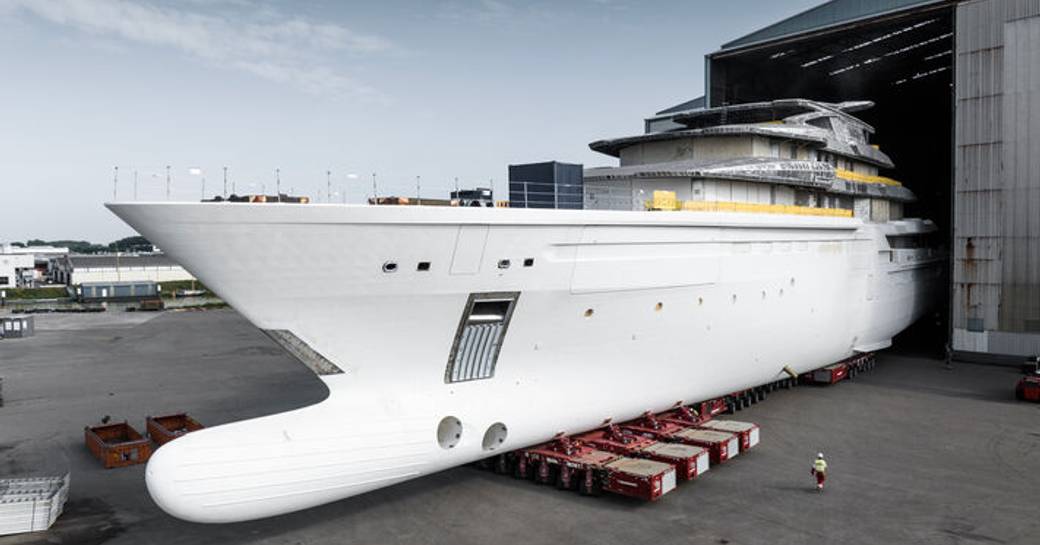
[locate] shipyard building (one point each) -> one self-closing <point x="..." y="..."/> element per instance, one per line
<point x="957" y="97"/>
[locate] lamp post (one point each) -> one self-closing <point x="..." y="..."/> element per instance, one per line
<point x="328" y="186"/>
<point x="278" y="183"/>
<point x="418" y="189"/>
<point x="225" y="182"/>
<point x="375" y="193"/>
<point x="167" y="182"/>
<point x="115" y="183"/>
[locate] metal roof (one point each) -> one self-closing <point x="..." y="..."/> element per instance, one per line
<point x="694" y="104"/>
<point x="123" y="261"/>
<point x="833" y="13"/>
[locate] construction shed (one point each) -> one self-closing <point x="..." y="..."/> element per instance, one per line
<point x="957" y="90"/>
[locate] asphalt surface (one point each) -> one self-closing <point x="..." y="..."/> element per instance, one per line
<point x="917" y="453"/>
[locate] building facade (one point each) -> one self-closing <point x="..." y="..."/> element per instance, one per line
<point x="27" y="266"/>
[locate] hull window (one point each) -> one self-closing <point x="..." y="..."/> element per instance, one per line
<point x="479" y="336"/>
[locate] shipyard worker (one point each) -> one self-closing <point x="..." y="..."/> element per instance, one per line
<point x="819" y="470"/>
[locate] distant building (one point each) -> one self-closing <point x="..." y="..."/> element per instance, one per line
<point x="26" y="266"/>
<point x="16" y="270"/>
<point x="117" y="291"/>
<point x="545" y="185"/>
<point x="83" y="269"/>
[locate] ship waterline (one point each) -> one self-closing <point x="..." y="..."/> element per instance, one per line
<point x="449" y="334"/>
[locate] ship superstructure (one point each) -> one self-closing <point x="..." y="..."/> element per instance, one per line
<point x="755" y="238"/>
<point x="792" y="152"/>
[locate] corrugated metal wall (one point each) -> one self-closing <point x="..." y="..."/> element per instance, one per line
<point x="996" y="295"/>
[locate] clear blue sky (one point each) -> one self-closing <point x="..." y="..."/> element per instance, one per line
<point x="432" y="88"/>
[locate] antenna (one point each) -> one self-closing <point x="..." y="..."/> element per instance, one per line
<point x="225" y="182"/>
<point x="375" y="193"/>
<point x="418" y="189"/>
<point x="328" y="186"/>
<point x="278" y="183"/>
<point x="115" y="183"/>
<point x="167" y="182"/>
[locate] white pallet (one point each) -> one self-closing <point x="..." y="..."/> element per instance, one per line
<point x="31" y="505"/>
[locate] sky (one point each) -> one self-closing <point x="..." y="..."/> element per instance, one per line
<point x="295" y="90"/>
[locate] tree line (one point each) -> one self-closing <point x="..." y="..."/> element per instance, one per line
<point x="128" y="244"/>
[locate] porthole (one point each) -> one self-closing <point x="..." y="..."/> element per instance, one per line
<point x="495" y="436"/>
<point x="589" y="312"/>
<point x="389" y="267"/>
<point x="529" y="262"/>
<point x="503" y="264"/>
<point x="423" y="266"/>
<point x="449" y="432"/>
<point x="658" y="306"/>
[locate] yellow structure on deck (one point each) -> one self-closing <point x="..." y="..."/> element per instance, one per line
<point x="864" y="178"/>
<point x="666" y="200"/>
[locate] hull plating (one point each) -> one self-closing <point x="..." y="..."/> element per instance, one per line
<point x="620" y="312"/>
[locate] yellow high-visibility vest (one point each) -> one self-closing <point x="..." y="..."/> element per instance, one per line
<point x="820" y="465"/>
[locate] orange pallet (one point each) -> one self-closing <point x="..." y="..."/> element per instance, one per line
<point x="163" y="429"/>
<point x="117" y="445"/>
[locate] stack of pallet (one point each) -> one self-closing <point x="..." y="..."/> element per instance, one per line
<point x="32" y="504"/>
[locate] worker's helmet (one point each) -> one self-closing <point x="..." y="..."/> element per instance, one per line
<point x="819" y="455"/>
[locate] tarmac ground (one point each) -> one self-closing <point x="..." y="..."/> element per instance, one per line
<point x="917" y="453"/>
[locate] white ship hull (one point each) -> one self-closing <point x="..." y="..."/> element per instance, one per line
<point x="684" y="307"/>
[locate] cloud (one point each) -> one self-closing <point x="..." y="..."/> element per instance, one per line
<point x="262" y="42"/>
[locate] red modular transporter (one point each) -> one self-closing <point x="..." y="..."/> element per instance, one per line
<point x="721" y="445"/>
<point x="650" y="426"/>
<point x="570" y="463"/>
<point x="686" y="416"/>
<point x="748" y="432"/>
<point x="830" y="374"/>
<point x="689" y="461"/>
<point x="1028" y="389"/>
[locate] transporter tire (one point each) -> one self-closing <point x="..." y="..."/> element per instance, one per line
<point x="565" y="478"/>
<point x="521" y="470"/>
<point x="502" y="464"/>
<point x="589" y="484"/>
<point x="547" y="474"/>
